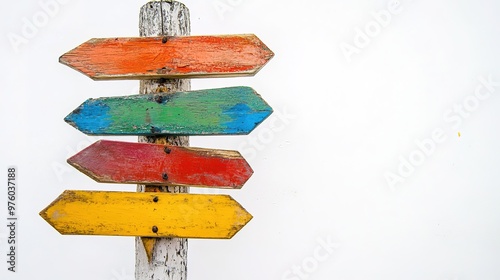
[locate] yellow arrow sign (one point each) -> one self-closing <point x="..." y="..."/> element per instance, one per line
<point x="146" y="214"/>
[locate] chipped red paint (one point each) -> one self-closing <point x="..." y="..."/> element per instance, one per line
<point x="141" y="163"/>
<point x="179" y="57"/>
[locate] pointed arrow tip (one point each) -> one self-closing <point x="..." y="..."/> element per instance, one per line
<point x="265" y="52"/>
<point x="84" y="161"/>
<point x="62" y="60"/>
<point x="73" y="60"/>
<point x="69" y="121"/>
<point x="263" y="116"/>
<point x="242" y="218"/>
<point x="249" y="172"/>
<point x="245" y="218"/>
<point x="271" y="54"/>
<point x="70" y="118"/>
<point x="45" y="215"/>
<point x="89" y="117"/>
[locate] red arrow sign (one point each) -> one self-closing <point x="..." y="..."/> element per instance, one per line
<point x="175" y="57"/>
<point x="141" y="163"/>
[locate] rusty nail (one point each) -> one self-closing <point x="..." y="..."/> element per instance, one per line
<point x="154" y="129"/>
<point x="167" y="150"/>
<point x="155" y="199"/>
<point x="159" y="99"/>
<point x="164" y="176"/>
<point x="155" y="229"/>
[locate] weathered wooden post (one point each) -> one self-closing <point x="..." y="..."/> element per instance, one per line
<point x="163" y="258"/>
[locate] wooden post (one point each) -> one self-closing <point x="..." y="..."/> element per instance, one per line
<point x="167" y="256"/>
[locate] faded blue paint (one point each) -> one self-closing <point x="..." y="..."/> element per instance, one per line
<point x="92" y="117"/>
<point x="244" y="119"/>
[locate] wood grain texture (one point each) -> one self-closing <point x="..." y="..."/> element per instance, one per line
<point x="141" y="163"/>
<point x="233" y="110"/>
<point x="163" y="258"/>
<point x="146" y="214"/>
<point x="169" y="57"/>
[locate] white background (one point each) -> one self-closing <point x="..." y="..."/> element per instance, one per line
<point x="348" y="120"/>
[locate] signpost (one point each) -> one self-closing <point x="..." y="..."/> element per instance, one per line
<point x="234" y="110"/>
<point x="163" y="258"/>
<point x="169" y="57"/>
<point x="146" y="214"/>
<point x="162" y="215"/>
<point x="130" y="163"/>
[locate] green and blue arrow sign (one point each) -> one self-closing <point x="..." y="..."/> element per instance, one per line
<point x="233" y="110"/>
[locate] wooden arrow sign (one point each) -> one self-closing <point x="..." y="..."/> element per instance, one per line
<point x="234" y="110"/>
<point x="169" y="57"/>
<point x="146" y="214"/>
<point x="122" y="162"/>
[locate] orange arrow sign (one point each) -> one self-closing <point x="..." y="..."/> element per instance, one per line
<point x="169" y="57"/>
